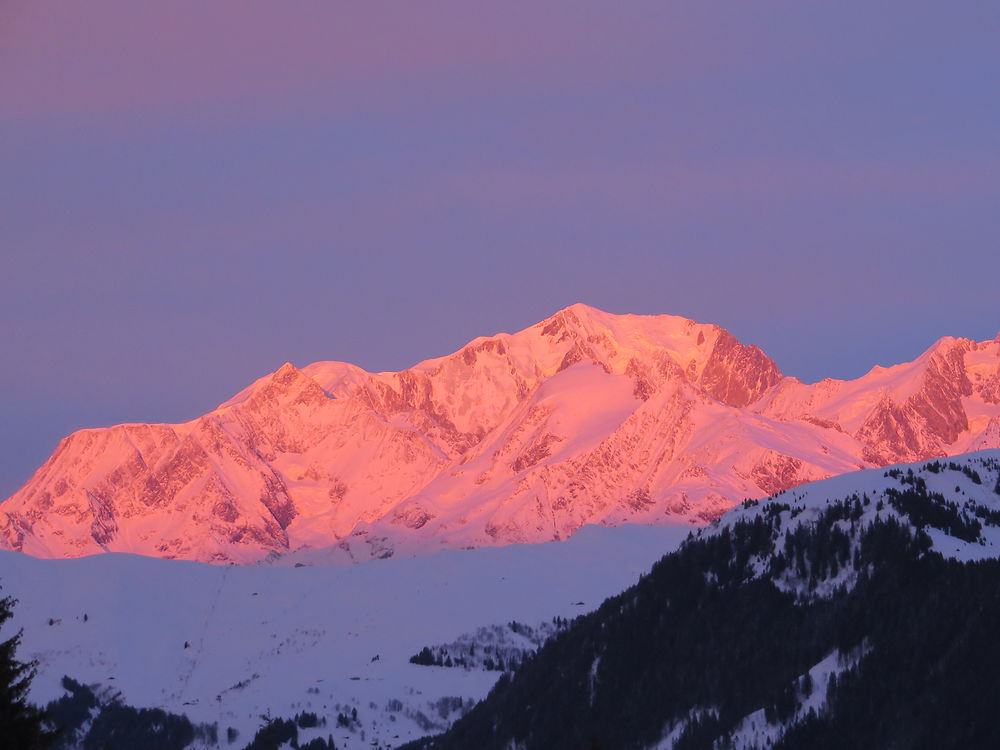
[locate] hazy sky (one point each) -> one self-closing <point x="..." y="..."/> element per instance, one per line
<point x="193" y="192"/>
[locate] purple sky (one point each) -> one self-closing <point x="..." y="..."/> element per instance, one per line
<point x="192" y="193"/>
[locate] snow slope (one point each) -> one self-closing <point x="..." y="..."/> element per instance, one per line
<point x="284" y="640"/>
<point x="584" y="418"/>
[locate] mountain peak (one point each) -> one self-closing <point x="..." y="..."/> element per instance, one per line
<point x="946" y="344"/>
<point x="582" y="309"/>
<point x="582" y="314"/>
<point x="286" y="385"/>
<point x="286" y="375"/>
<point x="629" y="331"/>
<point x="575" y="318"/>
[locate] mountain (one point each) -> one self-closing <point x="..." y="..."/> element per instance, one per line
<point x="584" y="418"/>
<point x="860" y="611"/>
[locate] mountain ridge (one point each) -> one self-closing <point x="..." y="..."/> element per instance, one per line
<point x="585" y="417"/>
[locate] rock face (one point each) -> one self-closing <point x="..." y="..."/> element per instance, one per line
<point x="586" y="417"/>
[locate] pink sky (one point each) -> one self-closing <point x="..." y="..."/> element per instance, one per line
<point x="193" y="193"/>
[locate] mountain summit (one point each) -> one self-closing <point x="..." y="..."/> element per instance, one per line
<point x="586" y="417"/>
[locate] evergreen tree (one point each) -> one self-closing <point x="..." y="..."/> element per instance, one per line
<point x="20" y="722"/>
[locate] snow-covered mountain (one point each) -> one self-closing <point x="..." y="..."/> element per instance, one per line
<point x="584" y="418"/>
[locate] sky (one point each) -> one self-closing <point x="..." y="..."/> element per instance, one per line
<point x="193" y="193"/>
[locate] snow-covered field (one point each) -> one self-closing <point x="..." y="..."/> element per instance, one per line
<point x="228" y="644"/>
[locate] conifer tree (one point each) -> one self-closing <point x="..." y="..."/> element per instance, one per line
<point x="20" y="722"/>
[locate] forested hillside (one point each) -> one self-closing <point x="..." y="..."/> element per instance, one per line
<point x="803" y="621"/>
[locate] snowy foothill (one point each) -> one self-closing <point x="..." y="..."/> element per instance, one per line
<point x="970" y="481"/>
<point x="228" y="644"/>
